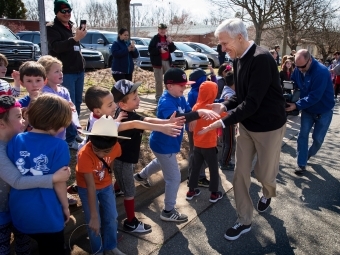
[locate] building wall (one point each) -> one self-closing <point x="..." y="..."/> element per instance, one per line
<point x="17" y="25"/>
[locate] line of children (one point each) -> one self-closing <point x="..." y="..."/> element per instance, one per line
<point x="205" y="146"/>
<point x="164" y="147"/>
<point x="126" y="96"/>
<point x="100" y="102"/>
<point x="42" y="213"/>
<point x="12" y="123"/>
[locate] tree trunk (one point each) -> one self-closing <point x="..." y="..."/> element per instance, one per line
<point x="286" y="26"/>
<point x="124" y="18"/>
<point x="258" y="33"/>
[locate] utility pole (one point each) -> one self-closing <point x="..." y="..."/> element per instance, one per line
<point x="42" y="26"/>
<point x="134" y="16"/>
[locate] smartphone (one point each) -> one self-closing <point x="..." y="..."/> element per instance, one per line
<point x="82" y="24"/>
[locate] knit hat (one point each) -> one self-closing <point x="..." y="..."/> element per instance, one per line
<point x="176" y="76"/>
<point x="60" y="4"/>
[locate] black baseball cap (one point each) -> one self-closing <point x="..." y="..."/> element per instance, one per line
<point x="176" y="76"/>
<point x="162" y="26"/>
<point x="197" y="73"/>
<point x="123" y="88"/>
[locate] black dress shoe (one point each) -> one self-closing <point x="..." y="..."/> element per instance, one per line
<point x="300" y="170"/>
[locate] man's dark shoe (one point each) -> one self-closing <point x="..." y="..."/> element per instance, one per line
<point x="300" y="170"/>
<point x="263" y="204"/>
<point x="229" y="167"/>
<point x="236" y="231"/>
<point x="204" y="182"/>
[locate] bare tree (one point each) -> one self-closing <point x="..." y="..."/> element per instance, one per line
<point x="260" y="12"/>
<point x="297" y="18"/>
<point x="32" y="10"/>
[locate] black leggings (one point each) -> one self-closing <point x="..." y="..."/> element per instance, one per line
<point x="50" y="243"/>
<point x="121" y="76"/>
<point x="22" y="241"/>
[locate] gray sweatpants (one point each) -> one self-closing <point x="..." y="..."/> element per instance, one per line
<point x="172" y="176"/>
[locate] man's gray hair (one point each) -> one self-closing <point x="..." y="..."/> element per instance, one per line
<point x="232" y="27"/>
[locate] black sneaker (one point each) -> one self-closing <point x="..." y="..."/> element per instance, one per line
<point x="300" y="170"/>
<point x="173" y="215"/>
<point x="236" y="231"/>
<point x="229" y="167"/>
<point x="136" y="226"/>
<point x="192" y="194"/>
<point x="215" y="197"/>
<point x="203" y="182"/>
<point x="263" y="204"/>
<point x="144" y="182"/>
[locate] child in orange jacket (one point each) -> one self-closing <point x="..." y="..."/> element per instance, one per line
<point x="205" y="146"/>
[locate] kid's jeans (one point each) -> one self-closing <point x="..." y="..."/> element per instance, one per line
<point x="107" y="212"/>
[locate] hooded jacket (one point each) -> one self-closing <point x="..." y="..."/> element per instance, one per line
<point x="206" y="95"/>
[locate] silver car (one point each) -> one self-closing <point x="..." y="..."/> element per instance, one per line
<point x="176" y="56"/>
<point x="206" y="50"/>
<point x="143" y="60"/>
<point x="193" y="59"/>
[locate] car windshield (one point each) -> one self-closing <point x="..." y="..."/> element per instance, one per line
<point x="111" y="37"/>
<point x="147" y="40"/>
<point x="6" y="34"/>
<point x="206" y="48"/>
<point x="183" y="47"/>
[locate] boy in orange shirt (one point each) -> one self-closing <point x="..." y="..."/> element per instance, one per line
<point x="93" y="174"/>
<point x="205" y="146"/>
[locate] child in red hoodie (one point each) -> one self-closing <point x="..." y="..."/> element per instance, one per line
<point x="205" y="146"/>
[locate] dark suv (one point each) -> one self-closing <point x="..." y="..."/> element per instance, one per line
<point x="100" y="41"/>
<point x="15" y="50"/>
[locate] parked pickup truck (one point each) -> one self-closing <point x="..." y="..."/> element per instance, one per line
<point x="15" y="50"/>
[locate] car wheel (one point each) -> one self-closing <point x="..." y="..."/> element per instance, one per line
<point x="211" y="62"/>
<point x="110" y="61"/>
<point x="186" y="65"/>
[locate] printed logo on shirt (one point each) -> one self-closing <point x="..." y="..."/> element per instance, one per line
<point x="40" y="167"/>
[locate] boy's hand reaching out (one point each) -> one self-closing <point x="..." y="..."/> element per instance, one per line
<point x="171" y="129"/>
<point x="179" y="120"/>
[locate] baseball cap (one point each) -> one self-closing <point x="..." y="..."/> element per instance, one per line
<point x="176" y="76"/>
<point x="105" y="126"/>
<point x="162" y="26"/>
<point x="197" y="73"/>
<point x="122" y="88"/>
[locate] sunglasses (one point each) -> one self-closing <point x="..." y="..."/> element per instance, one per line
<point x="66" y="11"/>
<point x="304" y="66"/>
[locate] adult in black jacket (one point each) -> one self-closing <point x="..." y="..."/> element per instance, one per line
<point x="259" y="108"/>
<point x="65" y="46"/>
<point x="160" y="48"/>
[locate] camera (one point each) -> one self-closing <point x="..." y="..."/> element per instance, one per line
<point x="291" y="95"/>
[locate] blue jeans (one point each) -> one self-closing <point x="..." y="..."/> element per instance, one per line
<point x="106" y="208"/>
<point x="75" y="84"/>
<point x="321" y="124"/>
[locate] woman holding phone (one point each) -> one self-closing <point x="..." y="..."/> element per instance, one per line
<point x="123" y="52"/>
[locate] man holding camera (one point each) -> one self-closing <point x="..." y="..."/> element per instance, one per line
<point x="160" y="48"/>
<point x="316" y="104"/>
